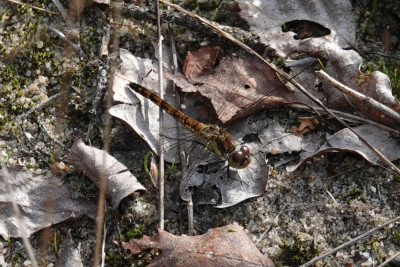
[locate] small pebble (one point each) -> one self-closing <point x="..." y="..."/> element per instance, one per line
<point x="373" y="189"/>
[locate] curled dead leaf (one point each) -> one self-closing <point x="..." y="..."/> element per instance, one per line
<point x="98" y="165"/>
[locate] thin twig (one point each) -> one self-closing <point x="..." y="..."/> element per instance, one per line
<point x="284" y="76"/>
<point x="41" y="104"/>
<point x="107" y="139"/>
<point x="77" y="47"/>
<point x="123" y="251"/>
<point x="389" y="260"/>
<point x="161" y="122"/>
<point x="372" y="103"/>
<point x="49" y="135"/>
<point x="182" y="155"/>
<point x="383" y="55"/>
<point x="270" y="226"/>
<point x="103" y="250"/>
<point x="332" y="197"/>
<point x="142" y="13"/>
<point x="358" y="238"/>
<point x="368" y="101"/>
<point x="31" y="6"/>
<point x="348" y="116"/>
<point x="27" y="135"/>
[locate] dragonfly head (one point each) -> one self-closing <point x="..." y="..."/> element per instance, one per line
<point x="239" y="159"/>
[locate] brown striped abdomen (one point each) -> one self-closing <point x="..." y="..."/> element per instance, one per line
<point x="188" y="122"/>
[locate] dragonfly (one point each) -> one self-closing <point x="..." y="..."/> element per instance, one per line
<point x="249" y="173"/>
<point x="215" y="138"/>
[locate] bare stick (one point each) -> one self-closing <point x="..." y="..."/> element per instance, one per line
<point x="103" y="250"/>
<point x="389" y="260"/>
<point x="106" y="142"/>
<point x="368" y="101"/>
<point x="350" y="117"/>
<point x="358" y="238"/>
<point x="77" y="47"/>
<point x="161" y="122"/>
<point x="284" y="76"/>
<point x="31" y="6"/>
<point x="181" y="152"/>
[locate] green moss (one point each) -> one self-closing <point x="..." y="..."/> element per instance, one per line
<point x="134" y="233"/>
<point x="364" y="27"/>
<point x="396" y="238"/>
<point x="297" y="252"/>
<point x="355" y="192"/>
<point x="117" y="259"/>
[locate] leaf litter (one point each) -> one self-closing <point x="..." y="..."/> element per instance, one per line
<point x="234" y="89"/>
<point x="383" y="92"/>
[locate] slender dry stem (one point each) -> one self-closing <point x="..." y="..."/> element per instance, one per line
<point x="161" y="122"/>
<point x="106" y="145"/>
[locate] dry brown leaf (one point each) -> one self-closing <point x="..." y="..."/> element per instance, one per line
<point x="200" y="60"/>
<point x="38" y="198"/>
<point x="224" y="246"/>
<point x="97" y="164"/>
<point x="306" y="124"/>
<point x="237" y="87"/>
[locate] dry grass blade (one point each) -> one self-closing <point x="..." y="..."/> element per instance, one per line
<point x="31" y="6"/>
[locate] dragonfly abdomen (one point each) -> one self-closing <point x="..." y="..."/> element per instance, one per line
<point x="216" y="139"/>
<point x="188" y="122"/>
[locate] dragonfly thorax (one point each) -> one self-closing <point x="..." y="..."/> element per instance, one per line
<point x="220" y="142"/>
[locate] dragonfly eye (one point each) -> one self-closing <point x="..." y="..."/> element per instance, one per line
<point x="241" y="158"/>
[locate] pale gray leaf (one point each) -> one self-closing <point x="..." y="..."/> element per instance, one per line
<point x="43" y="201"/>
<point x="267" y="17"/>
